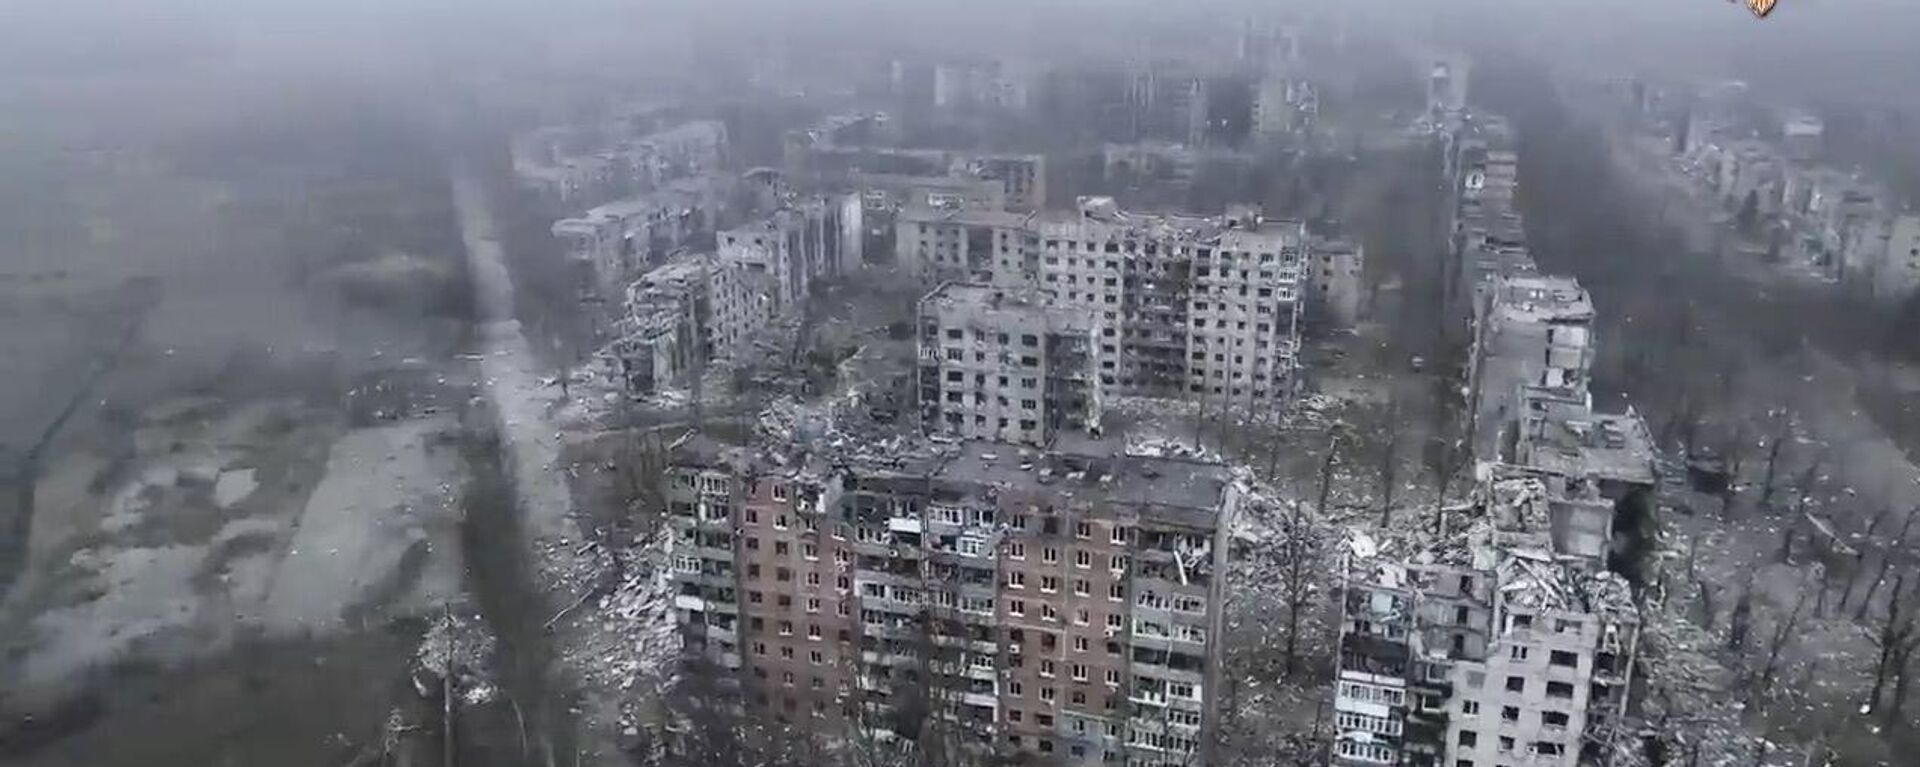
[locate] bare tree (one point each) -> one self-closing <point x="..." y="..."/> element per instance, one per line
<point x="1896" y="636"/>
<point x="1781" y="430"/>
<point x="1301" y="553"/>
<point x="1887" y="555"/>
<point x="1783" y="634"/>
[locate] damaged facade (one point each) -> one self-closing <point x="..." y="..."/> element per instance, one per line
<point x="615" y="242"/>
<point x="1532" y="336"/>
<point x="1509" y="638"/>
<point x="1061" y="605"/>
<point x="1512" y="643"/>
<point x="1006" y="366"/>
<point x="702" y="307"/>
<point x="1335" y="291"/>
<point x="1191" y="307"/>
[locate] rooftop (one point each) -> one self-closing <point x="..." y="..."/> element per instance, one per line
<point x="1187" y="491"/>
<point x="1607" y="446"/>
<point x="967" y="216"/>
<point x="989" y="302"/>
<point x="1542" y="298"/>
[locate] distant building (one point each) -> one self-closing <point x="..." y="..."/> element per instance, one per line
<point x="566" y="165"/>
<point x="1007" y="367"/>
<point x="1803" y="137"/>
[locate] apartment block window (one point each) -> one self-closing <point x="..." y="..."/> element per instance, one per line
<point x="1113" y="678"/>
<point x="1049" y="554"/>
<point x="1049" y="583"/>
<point x="1017" y="550"/>
<point x="1047" y="694"/>
<point x="1118" y="564"/>
<point x="1553" y="718"/>
<point x="1117" y="592"/>
<point x="1082" y="586"/>
<point x="1516" y="684"/>
<point x="1082" y="558"/>
<point x="1469" y="708"/>
<point x="1079" y="671"/>
<point x="786" y="653"/>
<point x="1563" y="658"/>
<point x="1469" y="739"/>
<point x="1080" y="644"/>
<point x="813" y="604"/>
<point x="1016" y="607"/>
<point x="1014" y="688"/>
<point x="1518" y="652"/>
<point x="1047" y="612"/>
<point x="1506" y="745"/>
<point x="1509" y="713"/>
<point x="1118" y="535"/>
<point x="1046" y="668"/>
<point x="1083" y="530"/>
<point x="1559" y="690"/>
<point x="1016" y="579"/>
<point x="1015" y="715"/>
<point x="816" y="657"/>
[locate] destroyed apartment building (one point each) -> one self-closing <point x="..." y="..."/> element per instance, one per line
<point x="1510" y="638"/>
<point x="612" y="244"/>
<point x="1510" y="644"/>
<point x="585" y="166"/>
<point x="1532" y="341"/>
<point x="701" y="307"/>
<point x="1005" y="366"/>
<point x="1045" y="604"/>
<point x="1196" y="307"/>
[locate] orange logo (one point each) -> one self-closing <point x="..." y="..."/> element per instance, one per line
<point x="1760" y="8"/>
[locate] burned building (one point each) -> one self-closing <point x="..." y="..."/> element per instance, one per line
<point x="1052" y="605"/>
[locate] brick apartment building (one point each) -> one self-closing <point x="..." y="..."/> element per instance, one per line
<point x="1064" y="605"/>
